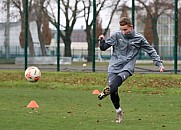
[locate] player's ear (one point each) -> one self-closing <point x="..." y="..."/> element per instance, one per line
<point x="131" y="26"/>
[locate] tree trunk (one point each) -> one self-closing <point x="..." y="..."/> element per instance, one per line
<point x="30" y="44"/>
<point x="148" y="30"/>
<point x="89" y="42"/>
<point x="41" y="38"/>
<point x="30" y="40"/>
<point x="67" y="50"/>
<point x="155" y="34"/>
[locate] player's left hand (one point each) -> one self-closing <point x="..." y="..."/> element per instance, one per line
<point x="162" y="69"/>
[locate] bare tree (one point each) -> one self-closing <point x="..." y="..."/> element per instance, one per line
<point x="70" y="12"/>
<point x="35" y="11"/>
<point x="89" y="21"/>
<point x="124" y="9"/>
<point x="99" y="29"/>
<point x="148" y="33"/>
<point x="19" y="4"/>
<point x="46" y="32"/>
<point x="113" y="10"/>
<point x="42" y="21"/>
<point x="154" y="9"/>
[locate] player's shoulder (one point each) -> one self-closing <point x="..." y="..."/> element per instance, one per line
<point x="140" y="35"/>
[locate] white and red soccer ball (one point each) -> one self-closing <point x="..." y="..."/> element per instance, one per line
<point x="32" y="74"/>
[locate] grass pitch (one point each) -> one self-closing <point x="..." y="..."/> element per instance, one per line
<point x="149" y="102"/>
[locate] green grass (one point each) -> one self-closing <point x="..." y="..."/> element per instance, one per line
<point x="149" y="101"/>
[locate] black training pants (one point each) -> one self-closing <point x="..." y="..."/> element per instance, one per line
<point x="114" y="81"/>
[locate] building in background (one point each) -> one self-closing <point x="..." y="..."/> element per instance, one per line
<point x="79" y="45"/>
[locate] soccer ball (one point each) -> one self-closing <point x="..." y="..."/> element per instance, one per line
<point x="32" y="74"/>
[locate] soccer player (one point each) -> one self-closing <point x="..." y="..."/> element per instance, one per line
<point x="126" y="44"/>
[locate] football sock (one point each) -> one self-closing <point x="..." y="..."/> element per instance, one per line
<point x="118" y="110"/>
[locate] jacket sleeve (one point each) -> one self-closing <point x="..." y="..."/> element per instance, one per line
<point x="103" y="45"/>
<point x="111" y="41"/>
<point x="151" y="52"/>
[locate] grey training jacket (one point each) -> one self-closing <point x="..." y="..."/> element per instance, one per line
<point x="126" y="49"/>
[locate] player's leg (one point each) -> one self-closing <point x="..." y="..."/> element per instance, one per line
<point x="115" y="96"/>
<point x="114" y="82"/>
<point x="106" y="90"/>
<point x="117" y="80"/>
<point x="115" y="99"/>
<point x="116" y="102"/>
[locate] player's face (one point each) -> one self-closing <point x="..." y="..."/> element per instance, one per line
<point x="126" y="29"/>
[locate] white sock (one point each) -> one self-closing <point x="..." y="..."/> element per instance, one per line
<point x="118" y="110"/>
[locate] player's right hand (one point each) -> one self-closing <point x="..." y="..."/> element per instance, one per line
<point x="101" y="37"/>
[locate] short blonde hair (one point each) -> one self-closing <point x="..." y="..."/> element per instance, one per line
<point x="125" y="21"/>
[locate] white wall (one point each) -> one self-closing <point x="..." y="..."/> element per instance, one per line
<point x="15" y="32"/>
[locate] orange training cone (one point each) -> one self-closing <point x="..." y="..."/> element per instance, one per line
<point x="32" y="104"/>
<point x="96" y="92"/>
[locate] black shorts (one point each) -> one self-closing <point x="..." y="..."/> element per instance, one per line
<point x="124" y="75"/>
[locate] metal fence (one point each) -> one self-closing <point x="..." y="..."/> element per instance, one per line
<point x="165" y="52"/>
<point x="15" y="59"/>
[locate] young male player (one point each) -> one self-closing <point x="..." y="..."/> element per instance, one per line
<point x="126" y="44"/>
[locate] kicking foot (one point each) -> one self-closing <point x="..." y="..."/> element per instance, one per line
<point x="104" y="93"/>
<point x="119" y="117"/>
